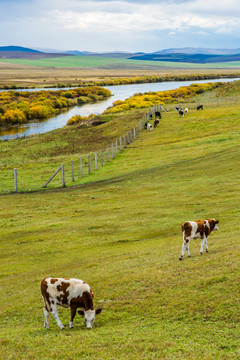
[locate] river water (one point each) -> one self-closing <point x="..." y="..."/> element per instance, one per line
<point x="120" y="92"/>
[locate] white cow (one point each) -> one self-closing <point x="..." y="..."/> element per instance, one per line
<point x="73" y="293"/>
<point x="197" y="229"/>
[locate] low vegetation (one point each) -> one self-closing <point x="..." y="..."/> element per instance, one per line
<point x="18" y="107"/>
<point x="147" y="100"/>
<point x="119" y="229"/>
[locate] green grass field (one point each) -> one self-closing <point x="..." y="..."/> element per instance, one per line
<point x="98" y="62"/>
<point x="120" y="230"/>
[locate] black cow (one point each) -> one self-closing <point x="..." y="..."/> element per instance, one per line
<point x="156" y="122"/>
<point x="158" y="114"/>
<point x="200" y="107"/>
<point x="181" y="113"/>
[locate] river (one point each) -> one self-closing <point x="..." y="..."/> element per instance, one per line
<point x="120" y="92"/>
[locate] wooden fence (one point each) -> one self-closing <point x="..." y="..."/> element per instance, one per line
<point x="90" y="163"/>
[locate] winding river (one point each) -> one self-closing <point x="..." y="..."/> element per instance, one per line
<point x="120" y="92"/>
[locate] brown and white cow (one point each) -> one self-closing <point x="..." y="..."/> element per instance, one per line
<point x="197" y="229"/>
<point x="73" y="293"/>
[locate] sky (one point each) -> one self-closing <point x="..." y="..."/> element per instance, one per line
<point x="122" y="25"/>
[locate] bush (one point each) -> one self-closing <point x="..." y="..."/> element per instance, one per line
<point x="14" y="116"/>
<point x="41" y="112"/>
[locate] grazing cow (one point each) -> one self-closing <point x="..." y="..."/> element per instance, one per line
<point x="71" y="293"/>
<point x="156" y="122"/>
<point x="181" y="113"/>
<point x="177" y="108"/>
<point x="186" y="110"/>
<point x="158" y="114"/>
<point x="145" y="125"/>
<point x="149" y="127"/>
<point x="197" y="229"/>
<point x="150" y="116"/>
<point x="200" y="107"/>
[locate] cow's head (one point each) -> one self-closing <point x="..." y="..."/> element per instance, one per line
<point x="89" y="316"/>
<point x="213" y="224"/>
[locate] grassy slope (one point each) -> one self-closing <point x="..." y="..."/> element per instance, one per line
<point x="92" y="61"/>
<point x="121" y="233"/>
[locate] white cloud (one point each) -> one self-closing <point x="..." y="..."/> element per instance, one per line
<point x="117" y="22"/>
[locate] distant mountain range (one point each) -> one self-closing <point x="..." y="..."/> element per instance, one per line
<point x="187" y="55"/>
<point x="18" y="48"/>
<point x="188" y="58"/>
<point x="190" y="50"/>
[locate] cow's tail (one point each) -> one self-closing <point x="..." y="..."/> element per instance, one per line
<point x="46" y="303"/>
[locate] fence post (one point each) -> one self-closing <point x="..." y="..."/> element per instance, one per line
<point x="124" y="140"/>
<point x="63" y="175"/>
<point x="89" y="164"/>
<point x="120" y="143"/>
<point x="101" y="157"/>
<point x="112" y="152"/>
<point x="96" y="164"/>
<point x="134" y="134"/>
<point x="116" y="147"/>
<point x="72" y="171"/>
<point x="107" y="153"/>
<point x="15" y="180"/>
<point x="81" y="166"/>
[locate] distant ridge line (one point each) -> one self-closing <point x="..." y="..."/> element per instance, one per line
<point x="18" y="48"/>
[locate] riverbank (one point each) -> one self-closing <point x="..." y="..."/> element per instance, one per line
<point x="21" y="107"/>
<point x="37" y="157"/>
<point x="120" y="93"/>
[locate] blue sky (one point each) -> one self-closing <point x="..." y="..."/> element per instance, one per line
<point x="125" y="25"/>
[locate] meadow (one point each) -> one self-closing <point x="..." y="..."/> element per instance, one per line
<point x="119" y="229"/>
<point x="83" y="61"/>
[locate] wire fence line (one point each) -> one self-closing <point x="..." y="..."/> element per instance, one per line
<point x="89" y="163"/>
<point x="73" y="170"/>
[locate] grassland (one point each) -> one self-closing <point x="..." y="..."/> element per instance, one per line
<point x="120" y="231"/>
<point x="15" y="74"/>
<point x="80" y="61"/>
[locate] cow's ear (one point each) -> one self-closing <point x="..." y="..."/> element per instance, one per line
<point x="81" y="312"/>
<point x="98" y="311"/>
<point x="217" y="221"/>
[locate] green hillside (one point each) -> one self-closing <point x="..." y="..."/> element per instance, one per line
<point x="120" y="230"/>
<point x="92" y="61"/>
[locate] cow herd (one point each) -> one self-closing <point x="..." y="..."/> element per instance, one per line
<point x="75" y="293"/>
<point x="181" y="111"/>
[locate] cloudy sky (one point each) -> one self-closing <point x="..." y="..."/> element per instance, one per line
<point x="125" y="25"/>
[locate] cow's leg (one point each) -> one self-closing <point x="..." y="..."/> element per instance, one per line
<point x="202" y="244"/>
<point x="184" y="246"/>
<point x="206" y="247"/>
<point x="55" y="314"/>
<point x="187" y="248"/>
<point x="46" y="316"/>
<point x="73" y="313"/>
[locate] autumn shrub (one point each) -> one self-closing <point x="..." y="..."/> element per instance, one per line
<point x="82" y="100"/>
<point x="67" y="94"/>
<point x="161" y="97"/>
<point x="76" y="119"/>
<point x="41" y="112"/>
<point x="13" y="116"/>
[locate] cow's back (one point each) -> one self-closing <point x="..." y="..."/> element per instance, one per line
<point x="63" y="290"/>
